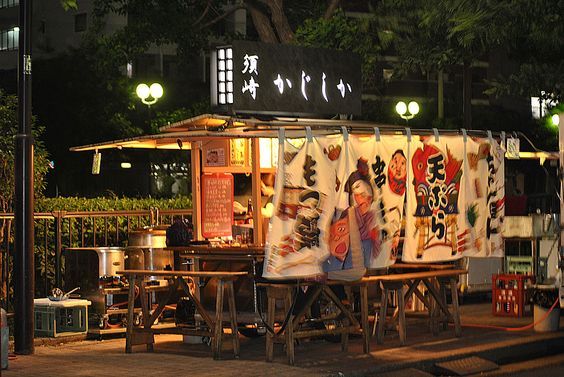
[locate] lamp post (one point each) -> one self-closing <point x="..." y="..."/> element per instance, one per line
<point x="408" y="111"/>
<point x="558" y="120"/>
<point x="149" y="94"/>
<point x="24" y="267"/>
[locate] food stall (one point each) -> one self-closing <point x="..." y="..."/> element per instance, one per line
<point x="350" y="197"/>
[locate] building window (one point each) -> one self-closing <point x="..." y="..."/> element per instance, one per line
<point x="80" y="22"/>
<point x="9" y="3"/>
<point x="9" y="39"/>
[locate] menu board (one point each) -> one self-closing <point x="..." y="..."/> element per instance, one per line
<point x="217" y="205"/>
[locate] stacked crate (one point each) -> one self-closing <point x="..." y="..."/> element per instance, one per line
<point x="509" y="294"/>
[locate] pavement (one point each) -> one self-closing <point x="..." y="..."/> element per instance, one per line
<point x="514" y="351"/>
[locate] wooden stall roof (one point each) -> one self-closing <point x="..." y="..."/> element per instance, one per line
<point x="212" y="126"/>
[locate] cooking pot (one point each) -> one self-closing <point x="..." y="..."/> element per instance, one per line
<point x="110" y="260"/>
<point x="146" y="249"/>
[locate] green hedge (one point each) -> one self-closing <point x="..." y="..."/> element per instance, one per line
<point x="110" y="204"/>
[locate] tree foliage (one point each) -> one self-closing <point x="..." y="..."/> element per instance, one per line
<point x="8" y="130"/>
<point x="535" y="41"/>
<point x="432" y="36"/>
<point x="340" y="32"/>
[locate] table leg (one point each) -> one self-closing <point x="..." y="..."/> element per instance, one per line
<point x="382" y="316"/>
<point x="233" y="317"/>
<point x="434" y="311"/>
<point x="401" y="313"/>
<point x="270" y="322"/>
<point x="130" y="314"/>
<point x="218" y="325"/>
<point x="364" y="317"/>
<point x="442" y="285"/>
<point x="146" y="311"/>
<point x="455" y="308"/>
<point x="289" y="331"/>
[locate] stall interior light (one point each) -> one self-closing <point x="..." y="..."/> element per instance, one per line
<point x="225" y="75"/>
<point x="126" y="165"/>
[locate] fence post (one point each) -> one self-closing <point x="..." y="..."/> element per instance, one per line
<point x="58" y="246"/>
<point x="151" y="216"/>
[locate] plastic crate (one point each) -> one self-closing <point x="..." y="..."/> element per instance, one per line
<point x="509" y="294"/>
<point x="519" y="265"/>
<point x="60" y="318"/>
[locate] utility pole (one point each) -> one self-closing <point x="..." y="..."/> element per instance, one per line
<point x="24" y="271"/>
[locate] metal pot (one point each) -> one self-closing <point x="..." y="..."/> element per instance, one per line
<point x="151" y="242"/>
<point x="110" y="260"/>
<point x="148" y="238"/>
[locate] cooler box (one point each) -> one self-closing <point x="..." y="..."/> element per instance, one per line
<point x="60" y="318"/>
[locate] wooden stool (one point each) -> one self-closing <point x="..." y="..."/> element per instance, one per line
<point x="279" y="292"/>
<point x="291" y="330"/>
<point x="389" y="287"/>
<point x="446" y="284"/>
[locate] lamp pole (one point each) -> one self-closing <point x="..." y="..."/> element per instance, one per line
<point x="560" y="120"/>
<point x="24" y="271"/>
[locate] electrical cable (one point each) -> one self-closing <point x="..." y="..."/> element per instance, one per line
<point x="516" y="329"/>
<point x="286" y="320"/>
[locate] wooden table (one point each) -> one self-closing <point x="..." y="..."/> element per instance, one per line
<point x="292" y="329"/>
<point x="421" y="266"/>
<point x="435" y="280"/>
<point x="145" y="334"/>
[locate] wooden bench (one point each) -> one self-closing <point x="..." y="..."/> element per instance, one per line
<point x="145" y="334"/>
<point x="292" y="329"/>
<point x="435" y="280"/>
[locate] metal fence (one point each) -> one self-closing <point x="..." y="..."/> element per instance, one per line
<point x="58" y="230"/>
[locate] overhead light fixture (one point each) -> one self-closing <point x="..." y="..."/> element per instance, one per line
<point x="125" y="165"/>
<point x="224" y="75"/>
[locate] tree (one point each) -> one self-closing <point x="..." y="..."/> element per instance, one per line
<point x="339" y="32"/>
<point x="190" y="23"/>
<point x="538" y="47"/>
<point x="8" y="130"/>
<point x="434" y="36"/>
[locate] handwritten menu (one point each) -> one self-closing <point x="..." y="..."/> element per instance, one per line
<point x="217" y="205"/>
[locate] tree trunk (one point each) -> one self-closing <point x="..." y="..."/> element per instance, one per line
<point x="262" y="24"/>
<point x="331" y="8"/>
<point x="467" y="95"/>
<point x="280" y="21"/>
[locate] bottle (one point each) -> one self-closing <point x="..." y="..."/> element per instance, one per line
<point x="249" y="219"/>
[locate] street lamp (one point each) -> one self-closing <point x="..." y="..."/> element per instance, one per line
<point x="555" y="119"/>
<point x="407" y="112"/>
<point x="155" y="91"/>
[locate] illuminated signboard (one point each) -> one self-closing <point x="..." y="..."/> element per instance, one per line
<point x="260" y="78"/>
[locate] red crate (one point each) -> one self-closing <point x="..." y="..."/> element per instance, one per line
<point x="509" y="294"/>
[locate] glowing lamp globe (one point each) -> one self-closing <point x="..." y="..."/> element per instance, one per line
<point x="143" y="91"/>
<point x="401" y="108"/>
<point x="413" y="107"/>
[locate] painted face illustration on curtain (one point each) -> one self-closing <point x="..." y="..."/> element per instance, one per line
<point x="361" y="196"/>
<point x="397" y="172"/>
<point x="339" y="240"/>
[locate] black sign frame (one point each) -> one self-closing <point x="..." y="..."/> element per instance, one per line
<point x="287" y="80"/>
